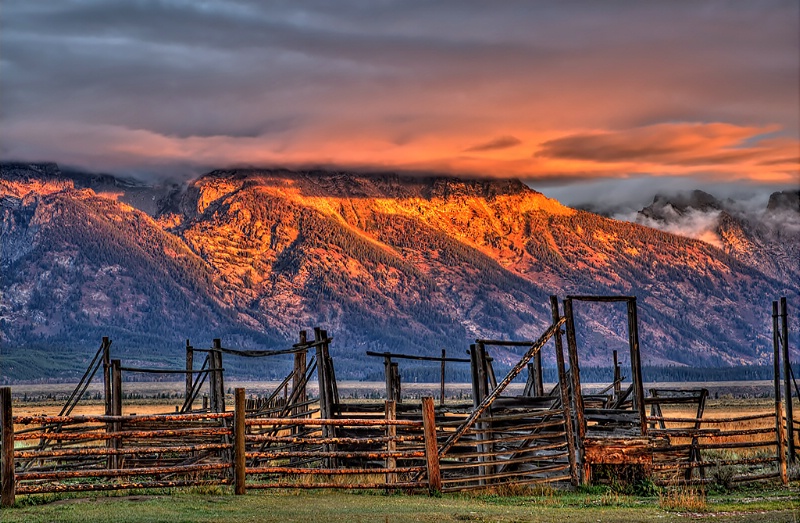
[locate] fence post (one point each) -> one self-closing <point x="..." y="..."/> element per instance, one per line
<point x="391" y="444"/>
<point x="431" y="446"/>
<point x="441" y="392"/>
<point x="116" y="410"/>
<point x="7" y="495"/>
<point x="107" y="375"/>
<point x="776" y="363"/>
<point x="563" y="386"/>
<point x="780" y="436"/>
<point x="239" y="443"/>
<point x="787" y="382"/>
<point x="217" y="384"/>
<point x="189" y="376"/>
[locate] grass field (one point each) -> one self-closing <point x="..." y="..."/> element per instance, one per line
<point x="318" y="507"/>
<point x="760" y="503"/>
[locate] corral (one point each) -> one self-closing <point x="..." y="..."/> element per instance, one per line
<point x="289" y="439"/>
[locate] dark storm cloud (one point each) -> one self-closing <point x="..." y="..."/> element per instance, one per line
<point x="159" y="85"/>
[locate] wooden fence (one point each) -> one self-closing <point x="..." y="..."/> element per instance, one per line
<point x="46" y="454"/>
<point x="723" y="450"/>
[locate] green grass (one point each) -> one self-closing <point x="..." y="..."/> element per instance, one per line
<point x="319" y="507"/>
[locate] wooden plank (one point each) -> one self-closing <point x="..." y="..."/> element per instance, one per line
<point x="787" y="381"/>
<point x="636" y="365"/>
<point x="577" y="394"/>
<point x="431" y="446"/>
<point x="137" y="434"/>
<point x="506" y="343"/>
<point x="96" y="487"/>
<point x="155" y="418"/>
<point x="334" y="472"/>
<point x="240" y="487"/>
<point x="217" y="378"/>
<point x="116" y="410"/>
<point x="107" y="375"/>
<point x="115" y="473"/>
<point x="483" y="388"/>
<point x="781" y="445"/>
<point x="299" y="440"/>
<point x="618" y="451"/>
<point x="7" y="473"/>
<point x="345" y="454"/>
<point x="189" y="383"/>
<point x="707" y="421"/>
<point x="342" y="422"/>
<point x="391" y="441"/>
<point x="299" y="371"/>
<point x="441" y="392"/>
<point x="414" y="357"/>
<point x="781" y="453"/>
<point x="601" y="299"/>
<point x="563" y="387"/>
<point x="99" y="451"/>
<point x="338" y="486"/>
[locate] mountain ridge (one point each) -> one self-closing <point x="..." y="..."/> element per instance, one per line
<point x="383" y="261"/>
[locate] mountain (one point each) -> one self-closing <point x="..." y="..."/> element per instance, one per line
<point x="382" y="261"/>
<point x="767" y="239"/>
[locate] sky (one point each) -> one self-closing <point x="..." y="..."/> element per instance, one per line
<point x="576" y="97"/>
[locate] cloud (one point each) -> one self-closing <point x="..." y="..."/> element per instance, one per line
<point x="502" y="142"/>
<point x="405" y="85"/>
<point x="694" y="223"/>
<point x="681" y="144"/>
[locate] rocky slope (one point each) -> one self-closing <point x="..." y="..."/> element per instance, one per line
<point x="383" y="262"/>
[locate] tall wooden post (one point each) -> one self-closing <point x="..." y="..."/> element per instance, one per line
<point x="239" y="464"/>
<point x="397" y="392"/>
<point x="636" y="365"/>
<point x="189" y="375"/>
<point x="107" y="375"/>
<point x="537" y="369"/>
<point x="787" y="382"/>
<point x="563" y="387"/>
<point x="217" y="383"/>
<point x="298" y="376"/>
<point x="473" y="367"/>
<point x="483" y="426"/>
<point x="477" y="395"/>
<point x="776" y="367"/>
<point x="431" y="445"/>
<point x="387" y="369"/>
<point x="441" y="392"/>
<point x="577" y="396"/>
<point x="324" y="391"/>
<point x="322" y="377"/>
<point x="7" y="474"/>
<point x="391" y="444"/>
<point x="116" y="409"/>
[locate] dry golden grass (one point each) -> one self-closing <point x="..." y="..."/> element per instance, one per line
<point x="683" y="498"/>
<point x="729" y="408"/>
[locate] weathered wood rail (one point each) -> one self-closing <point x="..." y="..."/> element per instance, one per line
<point x="696" y="450"/>
<point x="228" y="448"/>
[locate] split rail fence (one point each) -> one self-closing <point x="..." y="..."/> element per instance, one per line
<point x="46" y="454"/>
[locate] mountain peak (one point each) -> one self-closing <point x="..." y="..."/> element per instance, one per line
<point x="20" y="179"/>
<point x="784" y="201"/>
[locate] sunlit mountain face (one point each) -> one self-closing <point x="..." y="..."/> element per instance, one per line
<point x="383" y="262"/>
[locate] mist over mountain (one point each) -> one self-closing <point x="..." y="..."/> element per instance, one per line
<point x="766" y="237"/>
<point x="382" y="261"/>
